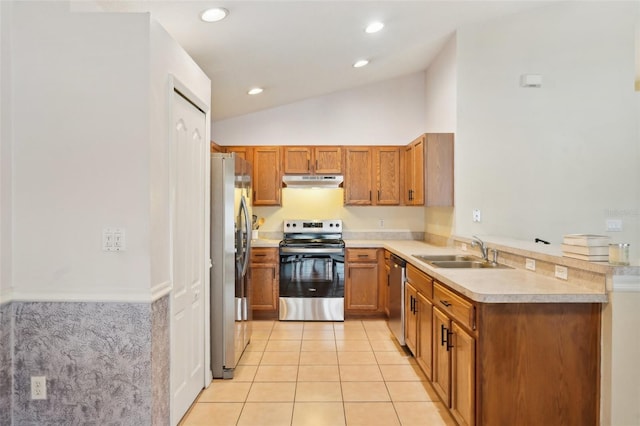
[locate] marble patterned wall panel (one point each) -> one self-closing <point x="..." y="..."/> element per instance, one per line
<point x="96" y="357"/>
<point x="160" y="352"/>
<point x="5" y="364"/>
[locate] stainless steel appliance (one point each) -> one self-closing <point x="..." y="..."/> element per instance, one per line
<point x="396" y="297"/>
<point x="312" y="271"/>
<point x="230" y="246"/>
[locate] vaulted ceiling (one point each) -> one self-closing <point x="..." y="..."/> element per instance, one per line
<point x="301" y="49"/>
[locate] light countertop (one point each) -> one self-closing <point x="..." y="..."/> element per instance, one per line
<point x="482" y="285"/>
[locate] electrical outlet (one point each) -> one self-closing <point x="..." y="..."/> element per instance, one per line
<point x="381" y="223"/>
<point x="562" y="272"/>
<point x="614" y="225"/>
<point x="530" y="264"/>
<point x="476" y="215"/>
<point x="38" y="387"/>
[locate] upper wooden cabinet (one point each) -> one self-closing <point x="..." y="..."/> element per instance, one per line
<point x="386" y="166"/>
<point x="310" y="160"/>
<point x="358" y="176"/>
<point x="372" y="176"/>
<point x="267" y="176"/>
<point x="414" y="172"/>
<point x="244" y="152"/>
<point x="428" y="174"/>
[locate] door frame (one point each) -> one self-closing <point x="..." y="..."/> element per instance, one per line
<point x="176" y="85"/>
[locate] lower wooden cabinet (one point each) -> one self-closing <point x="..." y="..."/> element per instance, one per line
<point x="424" y="344"/>
<point x="363" y="281"/>
<point x="265" y="271"/>
<point x="505" y="363"/>
<point x="411" y="318"/>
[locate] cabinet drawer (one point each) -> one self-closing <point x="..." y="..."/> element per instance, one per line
<point x="362" y="255"/>
<point x="264" y="255"/>
<point x="455" y="306"/>
<point x="421" y="281"/>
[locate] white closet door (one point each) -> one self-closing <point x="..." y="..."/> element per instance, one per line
<point x="189" y="155"/>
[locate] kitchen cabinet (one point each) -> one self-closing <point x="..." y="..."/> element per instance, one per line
<point x="358" y="174"/>
<point x="387" y="273"/>
<point x="215" y="148"/>
<point x="411" y="318"/>
<point x="372" y="176"/>
<point x="418" y="333"/>
<point x="497" y="363"/>
<point x="312" y="160"/>
<point x="264" y="267"/>
<point x="414" y="172"/>
<point x="454" y="353"/>
<point x="363" y="281"/>
<point x="386" y="166"/>
<point x="428" y="170"/>
<point x="244" y="152"/>
<point x="267" y="177"/>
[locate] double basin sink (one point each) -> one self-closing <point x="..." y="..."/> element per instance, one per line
<point x="459" y="261"/>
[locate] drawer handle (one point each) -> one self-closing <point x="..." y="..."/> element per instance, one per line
<point x="363" y="255"/>
<point x="445" y="303"/>
<point x="259" y="254"/>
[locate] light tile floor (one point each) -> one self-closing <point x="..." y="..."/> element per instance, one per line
<point x="321" y="373"/>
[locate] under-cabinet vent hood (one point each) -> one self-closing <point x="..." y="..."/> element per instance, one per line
<point x="312" y="181"/>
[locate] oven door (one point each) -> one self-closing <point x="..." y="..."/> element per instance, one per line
<point x="311" y="284"/>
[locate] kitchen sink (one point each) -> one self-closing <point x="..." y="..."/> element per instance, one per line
<point x="468" y="264"/>
<point x="446" y="258"/>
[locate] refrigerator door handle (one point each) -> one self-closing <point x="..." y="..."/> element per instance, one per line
<point x="244" y="210"/>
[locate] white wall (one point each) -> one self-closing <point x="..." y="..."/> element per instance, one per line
<point x="168" y="60"/>
<point x="328" y="204"/>
<point x="90" y="146"/>
<point x="5" y="151"/>
<point x="80" y="152"/>
<point x="386" y="113"/>
<point x="440" y="117"/>
<point x="559" y="159"/>
<point x="440" y="90"/>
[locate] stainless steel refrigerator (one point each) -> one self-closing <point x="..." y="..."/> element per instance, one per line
<point x="230" y="252"/>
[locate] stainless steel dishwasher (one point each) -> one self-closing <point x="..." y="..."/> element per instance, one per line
<point x="396" y="297"/>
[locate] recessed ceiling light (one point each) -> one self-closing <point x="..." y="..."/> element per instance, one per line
<point x="360" y="63"/>
<point x="374" y="27"/>
<point x="255" y="91"/>
<point x="214" y="15"/>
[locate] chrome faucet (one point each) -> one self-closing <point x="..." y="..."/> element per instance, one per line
<point x="483" y="249"/>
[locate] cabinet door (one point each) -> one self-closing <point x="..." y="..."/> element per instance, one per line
<point x="264" y="279"/>
<point x="328" y="160"/>
<point x="267" y="180"/>
<point x="387" y="175"/>
<point x="385" y="285"/>
<point x="361" y="287"/>
<point x="441" y="356"/>
<point x="408" y="174"/>
<point x="297" y="160"/>
<point x="463" y="357"/>
<point x="357" y="182"/>
<point x="410" y="318"/>
<point x="425" y="335"/>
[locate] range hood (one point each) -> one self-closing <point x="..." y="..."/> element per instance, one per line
<point x="312" y="181"/>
